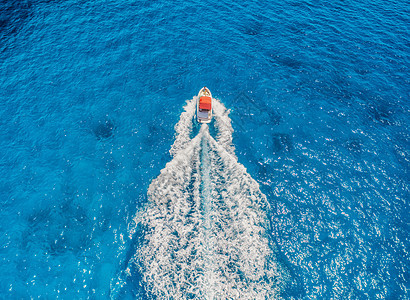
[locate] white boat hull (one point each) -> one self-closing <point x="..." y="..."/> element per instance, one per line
<point x="203" y="116"/>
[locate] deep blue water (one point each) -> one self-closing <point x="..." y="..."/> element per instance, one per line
<point x="318" y="92"/>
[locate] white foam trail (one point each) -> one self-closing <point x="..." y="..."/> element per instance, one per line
<point x="183" y="128"/>
<point x="206" y="221"/>
<point x="223" y="124"/>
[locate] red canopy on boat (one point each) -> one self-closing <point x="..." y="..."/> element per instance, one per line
<point x="205" y="103"/>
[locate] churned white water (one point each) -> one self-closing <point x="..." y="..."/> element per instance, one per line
<point x="206" y="223"/>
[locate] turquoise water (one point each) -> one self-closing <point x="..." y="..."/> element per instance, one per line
<point x="318" y="99"/>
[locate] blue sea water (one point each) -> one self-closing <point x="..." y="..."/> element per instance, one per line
<point x="91" y="91"/>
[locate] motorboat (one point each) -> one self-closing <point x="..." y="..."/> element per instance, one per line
<point x="204" y="106"/>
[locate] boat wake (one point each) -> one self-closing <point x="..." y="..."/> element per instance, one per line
<point x="206" y="228"/>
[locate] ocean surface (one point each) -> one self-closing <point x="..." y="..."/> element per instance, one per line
<point x="298" y="189"/>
